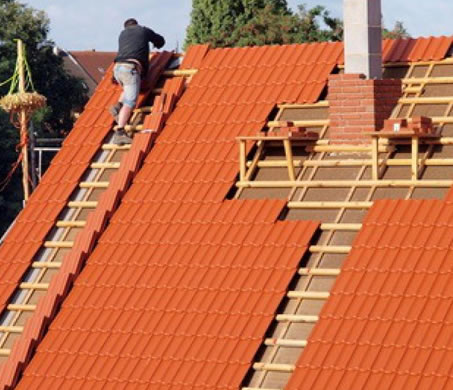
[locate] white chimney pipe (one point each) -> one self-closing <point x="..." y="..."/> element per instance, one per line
<point x="363" y="37"/>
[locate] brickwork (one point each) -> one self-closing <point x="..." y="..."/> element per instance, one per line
<point x="358" y="106"/>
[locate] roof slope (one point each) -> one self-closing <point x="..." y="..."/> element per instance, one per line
<point x="95" y="63"/>
<point x="173" y="304"/>
<point x="388" y="323"/>
<point x="54" y="190"/>
<point x="183" y="185"/>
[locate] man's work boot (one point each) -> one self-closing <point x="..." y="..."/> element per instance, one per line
<point x="115" y="111"/>
<point x="121" y="138"/>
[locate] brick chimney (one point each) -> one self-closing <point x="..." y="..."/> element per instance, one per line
<point x="359" y="99"/>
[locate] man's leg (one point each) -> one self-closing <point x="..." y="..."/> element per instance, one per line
<point x="131" y="81"/>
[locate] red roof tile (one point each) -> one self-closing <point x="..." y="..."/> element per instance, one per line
<point x="387" y="323"/>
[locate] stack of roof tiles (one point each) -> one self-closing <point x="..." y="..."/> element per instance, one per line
<point x="183" y="284"/>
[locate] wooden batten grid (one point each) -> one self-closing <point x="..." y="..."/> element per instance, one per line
<point x="370" y="164"/>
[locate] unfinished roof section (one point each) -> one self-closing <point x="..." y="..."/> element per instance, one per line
<point x="388" y="321"/>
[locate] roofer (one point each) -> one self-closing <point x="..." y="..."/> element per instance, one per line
<point x="131" y="66"/>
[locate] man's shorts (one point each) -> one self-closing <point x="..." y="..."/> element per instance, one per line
<point x="129" y="78"/>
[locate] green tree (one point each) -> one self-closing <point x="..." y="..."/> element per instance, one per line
<point x="398" y="31"/>
<point x="258" y="22"/>
<point x="63" y="92"/>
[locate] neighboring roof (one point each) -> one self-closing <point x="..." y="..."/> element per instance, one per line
<point x="95" y="63"/>
<point x="174" y="224"/>
<point x="89" y="66"/>
<point x="388" y="323"/>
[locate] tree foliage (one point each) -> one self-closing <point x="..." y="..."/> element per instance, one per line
<point x="398" y="31"/>
<point x="225" y="23"/>
<point x="63" y="92"/>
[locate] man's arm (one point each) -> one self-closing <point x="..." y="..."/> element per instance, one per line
<point x="156" y="39"/>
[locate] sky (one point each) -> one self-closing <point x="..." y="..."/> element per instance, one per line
<point x="95" y="24"/>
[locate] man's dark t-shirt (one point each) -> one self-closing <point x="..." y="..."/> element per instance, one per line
<point x="134" y="44"/>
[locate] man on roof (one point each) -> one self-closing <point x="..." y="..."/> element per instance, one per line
<point x="131" y="66"/>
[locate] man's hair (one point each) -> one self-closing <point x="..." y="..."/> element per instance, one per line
<point x="130" y="22"/>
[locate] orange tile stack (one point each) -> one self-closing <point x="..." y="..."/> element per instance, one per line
<point x="388" y="322"/>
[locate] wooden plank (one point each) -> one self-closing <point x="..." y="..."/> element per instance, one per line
<point x="426" y="100"/>
<point x="20" y="307"/>
<point x="285" y="343"/>
<point x="289" y="106"/>
<point x="341" y="226"/>
<point x="43" y="264"/>
<point x="82" y="204"/>
<point x="417" y="89"/>
<point x="11" y="329"/>
<point x="289" y="159"/>
<point x="349" y="163"/>
<point x="347" y="184"/>
<point x="105" y="165"/>
<point x="115" y="147"/>
<point x="58" y="244"/>
<point x="242" y="159"/>
<point x="301" y="123"/>
<point x="94" y="184"/>
<point x="414" y="158"/>
<point x="145" y="109"/>
<point x="329" y="205"/>
<point x="71" y="224"/>
<point x="34" y="286"/>
<point x="180" y="72"/>
<point x="309" y="295"/>
<point x="427" y="80"/>
<point x="338" y="249"/>
<point x="296" y="318"/>
<point x="5" y="352"/>
<point x="273" y="367"/>
<point x="375" y="158"/>
<point x="345" y="148"/>
<point x="319" y="271"/>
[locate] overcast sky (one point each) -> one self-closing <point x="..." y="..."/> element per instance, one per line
<point x="95" y="24"/>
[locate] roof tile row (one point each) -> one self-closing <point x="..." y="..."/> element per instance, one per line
<point x="388" y="321"/>
<point x="189" y="311"/>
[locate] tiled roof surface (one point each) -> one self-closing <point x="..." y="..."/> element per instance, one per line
<point x="111" y="320"/>
<point x="413" y="49"/>
<point x="86" y="240"/>
<point x="388" y="323"/>
<point x="95" y="63"/>
<point x="162" y="302"/>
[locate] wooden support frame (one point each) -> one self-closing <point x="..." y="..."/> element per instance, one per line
<point x="273" y="367"/>
<point x="347" y="184"/>
<point x="329" y="205"/>
<point x="288" y="343"/>
<point x="319" y="271"/>
<point x="296" y="318"/>
<point x="308" y="295"/>
<point x="262" y="139"/>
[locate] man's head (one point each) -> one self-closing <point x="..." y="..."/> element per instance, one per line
<point x="130" y="22"/>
